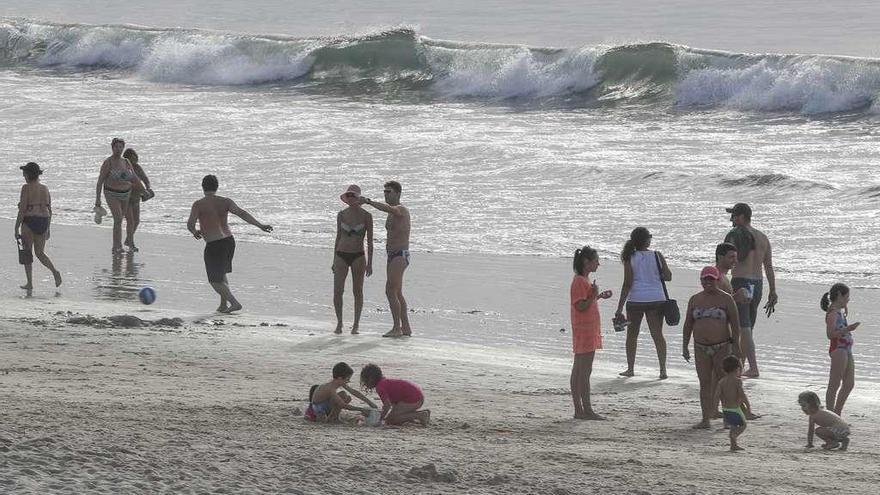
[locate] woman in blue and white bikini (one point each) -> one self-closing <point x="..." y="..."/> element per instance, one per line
<point x="353" y="225"/>
<point x="713" y="321"/>
<point x="116" y="179"/>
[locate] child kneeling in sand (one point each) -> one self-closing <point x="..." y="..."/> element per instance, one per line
<point x="401" y="399"/>
<point x="325" y="403"/>
<point x="734" y="403"/>
<point x="832" y="428"/>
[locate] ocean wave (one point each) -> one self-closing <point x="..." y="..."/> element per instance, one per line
<point x="776" y="181"/>
<point x="672" y="75"/>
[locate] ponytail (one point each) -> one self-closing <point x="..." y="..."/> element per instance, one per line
<point x="833" y="293"/>
<point x="585" y="253"/>
<point x="825" y="302"/>
<point x="639" y="238"/>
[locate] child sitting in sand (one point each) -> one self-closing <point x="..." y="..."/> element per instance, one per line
<point x="401" y="399"/>
<point x="831" y="428"/>
<point x="734" y="403"/>
<point x="325" y="403"/>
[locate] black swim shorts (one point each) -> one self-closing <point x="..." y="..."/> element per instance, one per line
<point x="218" y="258"/>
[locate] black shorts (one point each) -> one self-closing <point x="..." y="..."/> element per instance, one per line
<point x="218" y="258"/>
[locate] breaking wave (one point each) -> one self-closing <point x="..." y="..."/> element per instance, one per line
<point x="673" y="75"/>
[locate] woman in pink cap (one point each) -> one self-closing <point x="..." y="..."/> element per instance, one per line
<point x="353" y="224"/>
<point x="713" y="321"/>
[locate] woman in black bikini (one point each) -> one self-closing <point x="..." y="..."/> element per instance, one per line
<point x="353" y="224"/>
<point x="32" y="224"/>
<point x="713" y="320"/>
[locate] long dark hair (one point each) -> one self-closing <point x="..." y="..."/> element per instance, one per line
<point x="581" y="255"/>
<point x="640" y="238"/>
<point x="833" y="293"/>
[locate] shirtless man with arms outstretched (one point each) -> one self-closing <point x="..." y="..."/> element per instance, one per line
<point x="212" y="212"/>
<point x="755" y="257"/>
<point x="397" y="246"/>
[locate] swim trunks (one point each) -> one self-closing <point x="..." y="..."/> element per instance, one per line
<point x="734" y="416"/>
<point x="218" y="258"/>
<point x="748" y="311"/>
<point x="394" y="254"/>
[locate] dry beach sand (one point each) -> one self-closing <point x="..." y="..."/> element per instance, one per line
<point x="201" y="403"/>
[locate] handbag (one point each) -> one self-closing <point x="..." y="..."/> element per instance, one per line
<point x="670" y="307"/>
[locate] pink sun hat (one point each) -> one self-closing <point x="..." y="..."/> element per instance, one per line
<point x="351" y="195"/>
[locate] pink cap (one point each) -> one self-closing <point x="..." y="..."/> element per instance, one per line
<point x="351" y="195"/>
<point x="710" y="272"/>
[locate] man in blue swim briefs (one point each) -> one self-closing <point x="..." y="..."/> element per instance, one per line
<point x="755" y="256"/>
<point x="211" y="212"/>
<point x="397" y="246"/>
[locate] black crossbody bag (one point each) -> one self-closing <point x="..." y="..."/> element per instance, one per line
<point x="670" y="307"/>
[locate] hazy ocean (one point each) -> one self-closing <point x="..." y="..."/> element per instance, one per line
<point x="515" y="128"/>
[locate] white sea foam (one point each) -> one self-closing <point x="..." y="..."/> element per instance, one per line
<point x="809" y="84"/>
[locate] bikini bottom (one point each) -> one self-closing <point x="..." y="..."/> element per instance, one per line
<point x="349" y="258"/>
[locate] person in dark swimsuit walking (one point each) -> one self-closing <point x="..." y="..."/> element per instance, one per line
<point x="32" y="224"/>
<point x="211" y="212"/>
<point x="353" y="225"/>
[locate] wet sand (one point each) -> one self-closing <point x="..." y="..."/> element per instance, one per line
<point x="212" y="403"/>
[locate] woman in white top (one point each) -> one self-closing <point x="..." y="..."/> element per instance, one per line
<point x="643" y="294"/>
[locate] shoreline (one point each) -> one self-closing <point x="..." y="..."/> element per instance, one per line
<point x="513" y="303"/>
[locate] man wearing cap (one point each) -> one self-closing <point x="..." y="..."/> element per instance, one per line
<point x="754" y="257"/>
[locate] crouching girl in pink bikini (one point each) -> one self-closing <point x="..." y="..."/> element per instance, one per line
<point x="401" y="399"/>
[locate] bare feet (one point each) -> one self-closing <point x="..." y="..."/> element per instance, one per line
<point x="425" y="417"/>
<point x="131" y="247"/>
<point x="406" y="332"/>
<point x="844" y="444"/>
<point x="57" y="276"/>
<point x="590" y="416"/>
<point x="832" y="445"/>
<point x="627" y="373"/>
<point x="394" y="333"/>
<point x="222" y="308"/>
<point x="751" y="373"/>
<point x="27" y="287"/>
<point x="354" y="330"/>
<point x="736" y="448"/>
<point x="702" y="425"/>
<point x="338" y="328"/>
<point x="231" y="308"/>
<point x="118" y="251"/>
<point x="663" y="375"/>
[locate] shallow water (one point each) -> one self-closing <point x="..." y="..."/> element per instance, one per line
<point x="510" y="148"/>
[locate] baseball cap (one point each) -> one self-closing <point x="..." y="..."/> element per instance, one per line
<point x="710" y="272"/>
<point x="740" y="209"/>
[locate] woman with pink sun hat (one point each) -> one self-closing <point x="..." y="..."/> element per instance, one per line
<point x="353" y="226"/>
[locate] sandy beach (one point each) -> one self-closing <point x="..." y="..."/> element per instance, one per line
<point x="202" y="403"/>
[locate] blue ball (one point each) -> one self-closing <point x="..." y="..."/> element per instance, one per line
<point x="147" y="295"/>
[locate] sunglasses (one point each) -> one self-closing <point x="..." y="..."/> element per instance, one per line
<point x="388" y="191"/>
